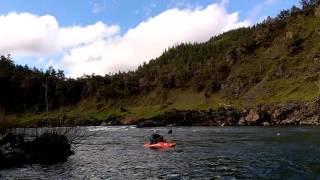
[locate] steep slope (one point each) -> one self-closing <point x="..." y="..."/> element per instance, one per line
<point x="273" y="62"/>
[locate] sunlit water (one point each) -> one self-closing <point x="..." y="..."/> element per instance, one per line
<point x="201" y="153"/>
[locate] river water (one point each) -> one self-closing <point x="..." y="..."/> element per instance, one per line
<point x="201" y="153"/>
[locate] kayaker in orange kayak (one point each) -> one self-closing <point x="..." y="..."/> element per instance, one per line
<point x="156" y="138"/>
<point x="157" y="142"/>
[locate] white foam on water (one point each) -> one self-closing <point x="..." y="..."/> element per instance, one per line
<point x="108" y="128"/>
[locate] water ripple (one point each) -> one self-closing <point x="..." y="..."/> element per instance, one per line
<point x="201" y="153"/>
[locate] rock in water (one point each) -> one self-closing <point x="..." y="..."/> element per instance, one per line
<point x="47" y="148"/>
<point x="12" y="151"/>
<point x="50" y="148"/>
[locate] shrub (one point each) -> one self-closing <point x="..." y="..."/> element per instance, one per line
<point x="5" y="126"/>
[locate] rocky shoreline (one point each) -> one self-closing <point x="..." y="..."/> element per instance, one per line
<point x="292" y="113"/>
<point x="263" y="115"/>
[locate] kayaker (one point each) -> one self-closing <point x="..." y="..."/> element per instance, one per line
<point x="156" y="138"/>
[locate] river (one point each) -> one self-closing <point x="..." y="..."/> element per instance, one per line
<point x="201" y="153"/>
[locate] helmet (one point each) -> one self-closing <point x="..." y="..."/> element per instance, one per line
<point x="155" y="131"/>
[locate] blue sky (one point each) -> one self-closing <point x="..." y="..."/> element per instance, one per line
<point x="129" y="13"/>
<point x="116" y="17"/>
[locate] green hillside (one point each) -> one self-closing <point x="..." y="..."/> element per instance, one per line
<point x="273" y="62"/>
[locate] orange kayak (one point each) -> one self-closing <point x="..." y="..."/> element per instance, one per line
<point x="160" y="145"/>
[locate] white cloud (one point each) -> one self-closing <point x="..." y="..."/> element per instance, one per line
<point x="100" y="6"/>
<point x="53" y="63"/>
<point x="271" y="2"/>
<point x="40" y="60"/>
<point x="99" y="48"/>
<point x="256" y="11"/>
<point x="149" y="39"/>
<point x="77" y="35"/>
<point x="26" y="34"/>
<point x="224" y="2"/>
<point x="179" y="4"/>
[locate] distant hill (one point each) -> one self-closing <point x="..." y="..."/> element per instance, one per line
<point x="273" y="62"/>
